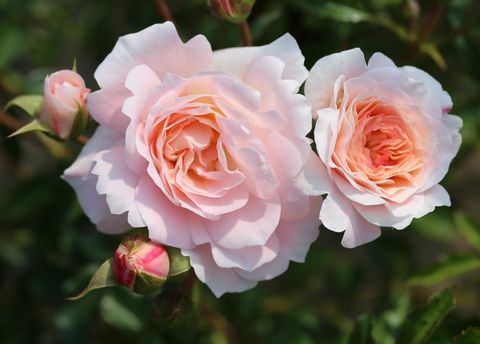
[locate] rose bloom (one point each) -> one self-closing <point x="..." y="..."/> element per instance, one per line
<point x="65" y="95"/>
<point x="385" y="139"/>
<point x="207" y="150"/>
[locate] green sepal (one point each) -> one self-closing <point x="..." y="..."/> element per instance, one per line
<point x="146" y="283"/>
<point x="80" y="123"/>
<point x="178" y="262"/>
<point x="102" y="278"/>
<point x="30" y="103"/>
<point x="34" y="125"/>
<point x="74" y="64"/>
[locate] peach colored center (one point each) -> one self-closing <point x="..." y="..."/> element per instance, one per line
<point x="382" y="147"/>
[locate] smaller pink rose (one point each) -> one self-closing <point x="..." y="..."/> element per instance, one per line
<point x="140" y="264"/>
<point x="65" y="97"/>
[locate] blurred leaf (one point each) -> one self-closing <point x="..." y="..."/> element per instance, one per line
<point x="448" y="267"/>
<point x="385" y="326"/>
<point x="361" y="333"/>
<point x="34" y="125"/>
<point x="422" y="323"/>
<point x="468" y="229"/>
<point x="178" y="262"/>
<point x="344" y="13"/>
<point x="340" y="12"/>
<point x="12" y="43"/>
<point x="436" y="225"/>
<point x="118" y="315"/>
<point x="469" y="336"/>
<point x="431" y="50"/>
<point x="30" y="103"/>
<point x="102" y="278"/>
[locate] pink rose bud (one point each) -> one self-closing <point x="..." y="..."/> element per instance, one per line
<point x="235" y="11"/>
<point x="64" y="104"/>
<point x="140" y="264"/>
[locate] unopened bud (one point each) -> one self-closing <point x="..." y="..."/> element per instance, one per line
<point x="235" y="11"/>
<point x="140" y="264"/>
<point x="64" y="104"/>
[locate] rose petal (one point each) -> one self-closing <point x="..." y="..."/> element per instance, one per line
<point x="320" y="84"/>
<point x="251" y="225"/>
<point x="237" y="61"/>
<point x="219" y="280"/>
<point x="84" y="183"/>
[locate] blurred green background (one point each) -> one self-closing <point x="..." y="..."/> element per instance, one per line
<point x="48" y="249"/>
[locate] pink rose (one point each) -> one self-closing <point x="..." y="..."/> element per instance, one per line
<point x="140" y="264"/>
<point x="65" y="95"/>
<point x="207" y="150"/>
<point x="386" y="140"/>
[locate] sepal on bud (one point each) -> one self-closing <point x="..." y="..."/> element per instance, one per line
<point x="235" y="11"/>
<point x="138" y="264"/>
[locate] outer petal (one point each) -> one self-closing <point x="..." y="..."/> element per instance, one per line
<point x="379" y="60"/>
<point x="248" y="258"/>
<point x="118" y="183"/>
<point x="433" y="85"/>
<point x="237" y="61"/>
<point x="219" y="280"/>
<point x="80" y="178"/>
<point x="320" y="84"/>
<point x="158" y="47"/>
<point x="295" y="238"/>
<point x="337" y="214"/>
<point x="401" y="215"/>
<point x="266" y="76"/>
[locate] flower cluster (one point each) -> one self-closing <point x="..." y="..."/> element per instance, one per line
<point x="209" y="150"/>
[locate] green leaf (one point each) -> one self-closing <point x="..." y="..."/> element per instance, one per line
<point x="102" y="278"/>
<point x="34" y="125"/>
<point x="178" y="262"/>
<point x="361" y="333"/>
<point x="431" y="50"/>
<point x="446" y="268"/>
<point x="422" y="323"/>
<point x="343" y="13"/>
<point x="347" y="14"/>
<point x="30" y="103"/>
<point x="468" y="229"/>
<point x="469" y="336"/>
<point x="118" y="315"/>
<point x="12" y="44"/>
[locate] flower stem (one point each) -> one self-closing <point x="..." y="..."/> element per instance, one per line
<point x="9" y="121"/>
<point x="164" y="10"/>
<point x="246" y="34"/>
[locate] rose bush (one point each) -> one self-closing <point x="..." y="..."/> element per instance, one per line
<point x="206" y="149"/>
<point x="386" y="140"/>
<point x="65" y="96"/>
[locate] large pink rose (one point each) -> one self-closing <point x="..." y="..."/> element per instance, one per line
<point x="386" y="140"/>
<point x="207" y="150"/>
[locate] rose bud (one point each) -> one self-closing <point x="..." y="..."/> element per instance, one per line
<point x="64" y="104"/>
<point x="140" y="264"/>
<point x="235" y="11"/>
